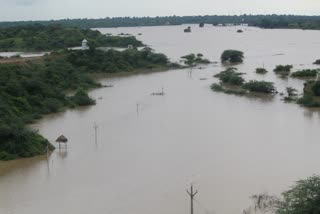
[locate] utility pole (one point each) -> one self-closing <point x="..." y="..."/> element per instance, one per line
<point x="95" y="126"/>
<point x="138" y="109"/>
<point x="192" y="194"/>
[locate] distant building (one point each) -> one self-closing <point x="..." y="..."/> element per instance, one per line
<point x="130" y="46"/>
<point x="84" y="45"/>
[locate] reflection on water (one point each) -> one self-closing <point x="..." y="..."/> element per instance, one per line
<point x="149" y="148"/>
<point x="63" y="152"/>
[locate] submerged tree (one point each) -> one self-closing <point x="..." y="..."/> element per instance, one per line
<point x="192" y="59"/>
<point x="231" y="76"/>
<point x="283" y="70"/>
<point x="317" y="62"/>
<point x="232" y="56"/>
<point x="261" y="71"/>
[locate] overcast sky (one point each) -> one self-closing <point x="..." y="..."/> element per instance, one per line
<point x="11" y="10"/>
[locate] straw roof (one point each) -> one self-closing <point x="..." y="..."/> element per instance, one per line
<point x="62" y="139"/>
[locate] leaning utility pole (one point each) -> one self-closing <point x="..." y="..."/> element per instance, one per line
<point x="192" y="194"/>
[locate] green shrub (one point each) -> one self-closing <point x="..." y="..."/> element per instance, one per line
<point x="306" y="73"/>
<point x="316" y="88"/>
<point x="308" y="101"/>
<point x="261" y="71"/>
<point x="217" y="87"/>
<point x="260" y="86"/>
<point x="230" y="76"/>
<point x="283" y="70"/>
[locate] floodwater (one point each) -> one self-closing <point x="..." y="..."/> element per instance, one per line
<point x="150" y="148"/>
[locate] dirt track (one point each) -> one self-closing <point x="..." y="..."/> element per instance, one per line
<point x="19" y="60"/>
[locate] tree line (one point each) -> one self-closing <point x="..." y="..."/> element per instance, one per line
<point x="264" y="21"/>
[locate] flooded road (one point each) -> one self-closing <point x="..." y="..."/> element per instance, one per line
<point x="145" y="158"/>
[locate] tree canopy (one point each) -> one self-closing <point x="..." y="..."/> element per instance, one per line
<point x="232" y="56"/>
<point x="39" y="37"/>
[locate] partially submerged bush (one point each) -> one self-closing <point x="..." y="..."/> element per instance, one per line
<point x="232" y="56"/>
<point x="316" y="88"/>
<point x="230" y="76"/>
<point x="261" y="71"/>
<point x="216" y="87"/>
<point x="308" y="101"/>
<point x="221" y="88"/>
<point x="260" y="86"/>
<point x="283" y="70"/>
<point x="307" y="73"/>
<point x="311" y="91"/>
<point x="317" y="62"/>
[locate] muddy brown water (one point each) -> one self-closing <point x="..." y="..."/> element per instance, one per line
<point x="230" y="147"/>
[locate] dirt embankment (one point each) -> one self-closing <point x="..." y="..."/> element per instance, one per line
<point x="20" y="60"/>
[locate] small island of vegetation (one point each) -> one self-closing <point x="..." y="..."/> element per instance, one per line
<point x="232" y="82"/>
<point x="261" y="71"/>
<point x="283" y="70"/>
<point x="307" y="73"/>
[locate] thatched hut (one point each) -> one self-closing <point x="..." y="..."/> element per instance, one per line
<point x="62" y="139"/>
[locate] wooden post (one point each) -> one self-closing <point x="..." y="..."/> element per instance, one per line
<point x="192" y="194"/>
